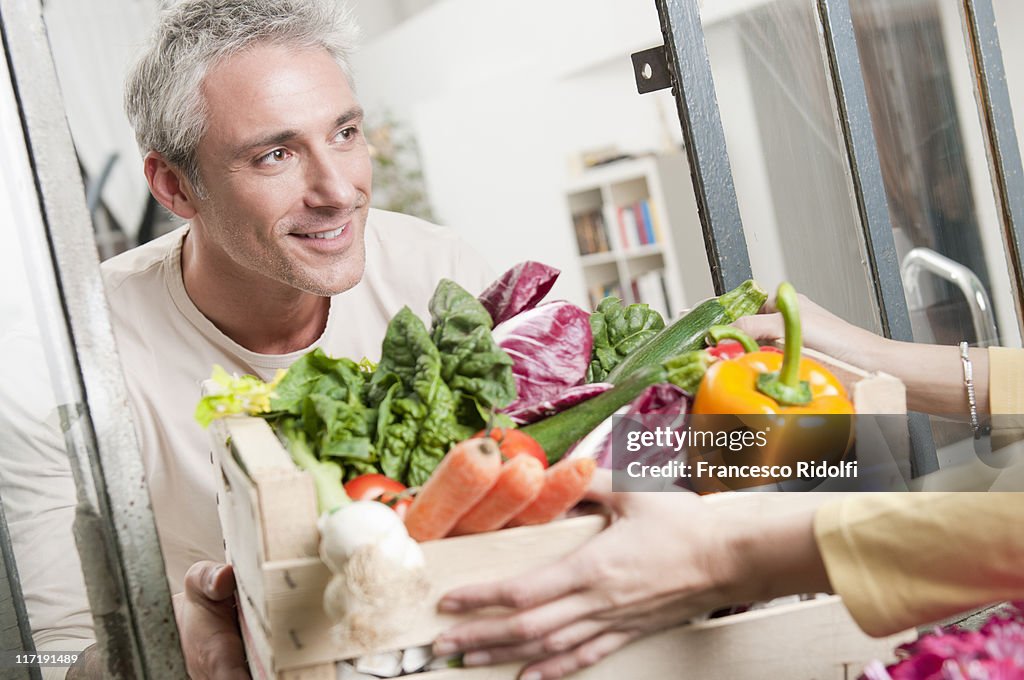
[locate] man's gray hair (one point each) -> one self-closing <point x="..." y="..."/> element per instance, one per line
<point x="163" y="93"/>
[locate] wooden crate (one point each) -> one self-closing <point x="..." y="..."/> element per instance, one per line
<point x="268" y="513"/>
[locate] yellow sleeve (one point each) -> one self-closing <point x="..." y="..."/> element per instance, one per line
<point x="906" y="559"/>
<point x="1006" y="380"/>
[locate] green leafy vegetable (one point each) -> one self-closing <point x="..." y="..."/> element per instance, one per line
<point x="478" y="371"/>
<point x="618" y="330"/>
<point x="236" y="395"/>
<point x="430" y="390"/>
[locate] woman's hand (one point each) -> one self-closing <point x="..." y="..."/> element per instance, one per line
<point x="932" y="374"/>
<point x="822" y="331"/>
<point x="664" y="559"/>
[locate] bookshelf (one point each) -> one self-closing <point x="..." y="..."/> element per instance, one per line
<point x="636" y="240"/>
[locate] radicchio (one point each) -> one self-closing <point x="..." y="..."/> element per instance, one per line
<point x="663" y="405"/>
<point x="550" y="347"/>
<point x="519" y="289"/>
<point x="529" y="413"/>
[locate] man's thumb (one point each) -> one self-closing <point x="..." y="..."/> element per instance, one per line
<point x="214" y="580"/>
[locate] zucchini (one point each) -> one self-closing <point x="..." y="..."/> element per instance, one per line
<point x="688" y="333"/>
<point x="557" y="433"/>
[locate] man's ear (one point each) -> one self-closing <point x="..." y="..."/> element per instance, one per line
<point x="169" y="186"/>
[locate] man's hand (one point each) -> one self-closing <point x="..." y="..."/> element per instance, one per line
<point x="658" y="564"/>
<point x="208" y="624"/>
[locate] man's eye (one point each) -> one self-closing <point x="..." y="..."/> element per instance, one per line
<point x="275" y="156"/>
<point x="348" y="134"/>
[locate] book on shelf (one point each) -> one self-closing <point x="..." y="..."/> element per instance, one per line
<point x="638" y="225"/>
<point x="591" y="233"/>
<point x="651" y="288"/>
<point x="645" y="216"/>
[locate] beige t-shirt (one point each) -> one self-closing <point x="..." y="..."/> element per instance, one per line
<point x="168" y="348"/>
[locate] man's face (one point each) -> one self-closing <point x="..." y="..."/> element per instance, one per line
<point x="286" y="171"/>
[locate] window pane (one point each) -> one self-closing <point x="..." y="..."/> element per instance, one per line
<point x="788" y="156"/>
<point x="39" y="393"/>
<point x="933" y="154"/>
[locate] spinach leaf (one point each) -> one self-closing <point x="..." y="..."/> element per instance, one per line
<point x="416" y="422"/>
<point x="618" y="330"/>
<point x="472" y="364"/>
<point x="405" y="341"/>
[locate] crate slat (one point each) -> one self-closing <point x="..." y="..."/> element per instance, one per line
<point x="813" y="640"/>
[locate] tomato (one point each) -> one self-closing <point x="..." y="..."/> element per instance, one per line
<point x="377" y="487"/>
<point x="514" y="443"/>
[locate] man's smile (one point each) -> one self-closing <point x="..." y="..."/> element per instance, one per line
<point x="332" y="233"/>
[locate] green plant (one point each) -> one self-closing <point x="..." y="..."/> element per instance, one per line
<point x="398" y="183"/>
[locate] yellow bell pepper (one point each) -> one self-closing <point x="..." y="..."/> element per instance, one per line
<point x="731" y="387"/>
<point x="780" y="395"/>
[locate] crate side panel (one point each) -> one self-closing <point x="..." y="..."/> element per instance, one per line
<point x="238" y="508"/>
<point x="295" y="589"/>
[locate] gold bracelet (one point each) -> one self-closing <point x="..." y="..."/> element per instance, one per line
<point x="972" y="402"/>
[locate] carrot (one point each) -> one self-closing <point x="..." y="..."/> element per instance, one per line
<point x="465" y="474"/>
<point x="519" y="483"/>
<point x="565" y="482"/>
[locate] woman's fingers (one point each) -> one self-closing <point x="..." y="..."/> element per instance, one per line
<point x="587" y="654"/>
<point x="527" y="590"/>
<point x="762" y="327"/>
<point x="520" y="627"/>
<point x="556" y="642"/>
<point x="600" y="489"/>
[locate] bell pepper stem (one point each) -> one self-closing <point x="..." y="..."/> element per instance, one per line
<point x="789" y="307"/>
<point x="785" y="387"/>
<point x="719" y="333"/>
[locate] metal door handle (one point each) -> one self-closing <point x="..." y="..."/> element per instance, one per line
<point x="921" y="260"/>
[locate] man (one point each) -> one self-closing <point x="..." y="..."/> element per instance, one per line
<point x="251" y="132"/>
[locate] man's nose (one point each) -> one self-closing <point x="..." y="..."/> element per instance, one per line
<point x="327" y="181"/>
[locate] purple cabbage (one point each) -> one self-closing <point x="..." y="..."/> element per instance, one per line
<point x="550" y="349"/>
<point x="538" y="410"/>
<point x="518" y="290"/>
<point x="663" y="405"/>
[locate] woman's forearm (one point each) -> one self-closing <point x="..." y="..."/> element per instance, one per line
<point x="771" y="555"/>
<point x="934" y="376"/>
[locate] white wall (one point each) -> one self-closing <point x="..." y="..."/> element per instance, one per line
<point x="500" y="94"/>
<point x="1009" y="18"/>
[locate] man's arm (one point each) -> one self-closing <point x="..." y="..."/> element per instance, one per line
<point x="208" y="624"/>
<point x="89" y="666"/>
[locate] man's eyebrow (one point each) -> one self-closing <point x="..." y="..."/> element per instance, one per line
<point x="355" y="113"/>
<point x="275" y="138"/>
